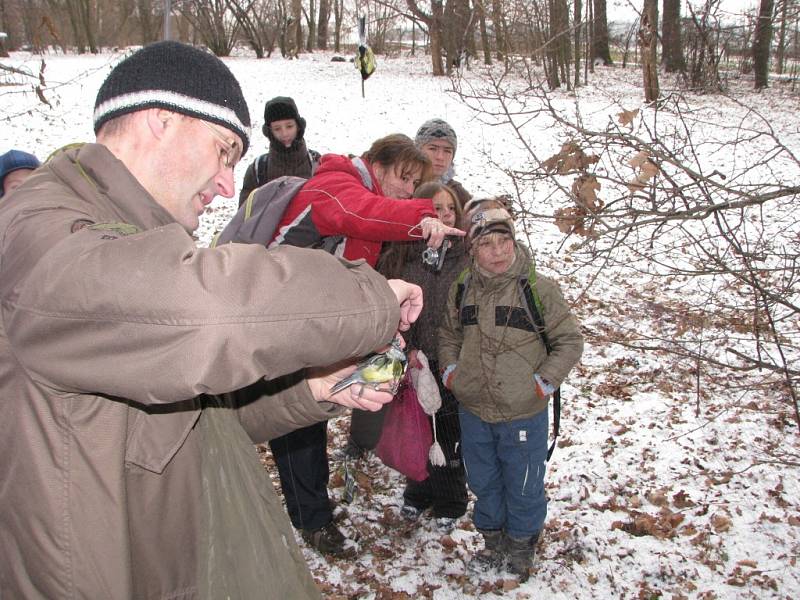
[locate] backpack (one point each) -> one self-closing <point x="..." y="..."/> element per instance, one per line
<point x="257" y="219"/>
<point x="533" y="307"/>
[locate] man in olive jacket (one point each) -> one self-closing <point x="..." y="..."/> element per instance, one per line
<point x="127" y="471"/>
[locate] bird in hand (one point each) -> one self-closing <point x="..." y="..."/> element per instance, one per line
<point x="377" y="369"/>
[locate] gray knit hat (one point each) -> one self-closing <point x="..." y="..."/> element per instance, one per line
<point x="178" y="77"/>
<point x="436" y="129"/>
<point x="483" y="221"/>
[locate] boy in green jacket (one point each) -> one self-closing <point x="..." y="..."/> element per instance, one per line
<point x="497" y="365"/>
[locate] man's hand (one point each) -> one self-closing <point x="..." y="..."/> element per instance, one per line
<point x="322" y="379"/>
<point x="410" y="298"/>
<point x="435" y="231"/>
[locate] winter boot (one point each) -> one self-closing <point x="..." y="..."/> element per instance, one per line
<point x="520" y="556"/>
<point x="327" y="540"/>
<point x="494" y="553"/>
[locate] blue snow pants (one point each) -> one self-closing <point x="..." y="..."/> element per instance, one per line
<point x="505" y="465"/>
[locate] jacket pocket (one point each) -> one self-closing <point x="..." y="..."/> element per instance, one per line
<point x="154" y="438"/>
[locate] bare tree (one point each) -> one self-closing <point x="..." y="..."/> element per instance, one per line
<point x="600" y="48"/>
<point x="338" y="18"/>
<point x="213" y="22"/>
<point x="322" y="24"/>
<point x="762" y="43"/>
<point x="149" y="21"/>
<point x="259" y="22"/>
<point x="671" y="39"/>
<point x="648" y="42"/>
<point x="636" y="194"/>
<point x="486" y="47"/>
<point x="433" y="23"/>
<point x="703" y="48"/>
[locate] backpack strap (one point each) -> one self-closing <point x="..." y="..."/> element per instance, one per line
<point x="261" y="169"/>
<point x="533" y="303"/>
<point x="462" y="281"/>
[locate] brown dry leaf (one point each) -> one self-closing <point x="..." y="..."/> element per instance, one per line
<point x="748" y="563"/>
<point x="510" y="584"/>
<point x="639" y="159"/>
<point x="794" y="521"/>
<point x="364" y="482"/>
<point x="682" y="500"/>
<point x="40" y="94"/>
<point x="337" y="480"/>
<point x="720" y="523"/>
<point x="448" y="542"/>
<point x="585" y="188"/>
<point x="657" y="497"/>
<point x="648" y="170"/>
<point x="571" y="158"/>
<point x="626" y="117"/>
<point x="722" y="478"/>
<point x="634" y="185"/>
<point x="568" y="219"/>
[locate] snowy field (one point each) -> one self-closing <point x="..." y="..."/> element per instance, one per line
<point x="657" y="489"/>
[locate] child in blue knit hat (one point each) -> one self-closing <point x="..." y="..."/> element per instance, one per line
<point x="15" y="166"/>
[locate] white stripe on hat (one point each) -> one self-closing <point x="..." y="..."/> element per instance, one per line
<point x="179" y="101"/>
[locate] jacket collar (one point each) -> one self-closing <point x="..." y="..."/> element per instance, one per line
<point x="93" y="171"/>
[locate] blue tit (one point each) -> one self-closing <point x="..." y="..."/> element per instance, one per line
<point x="378" y="368"/>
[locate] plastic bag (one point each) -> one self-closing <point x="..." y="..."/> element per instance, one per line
<point x="406" y="438"/>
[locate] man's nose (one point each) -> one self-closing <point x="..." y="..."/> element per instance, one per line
<point x="224" y="182"/>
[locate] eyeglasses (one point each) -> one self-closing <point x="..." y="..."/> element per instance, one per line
<point x="231" y="152"/>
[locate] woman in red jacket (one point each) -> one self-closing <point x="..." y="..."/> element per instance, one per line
<point x="349" y="207"/>
<point x="356" y="201"/>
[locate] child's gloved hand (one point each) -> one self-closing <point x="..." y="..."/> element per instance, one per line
<point x="447" y="375"/>
<point x="544" y="388"/>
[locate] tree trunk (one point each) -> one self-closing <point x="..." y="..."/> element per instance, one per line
<point x="338" y="15"/>
<point x="780" y="54"/>
<point x="600" y="48"/>
<point x="485" y="43"/>
<point x="576" y="19"/>
<point x="761" y="44"/>
<point x="455" y="24"/>
<point x="499" y="29"/>
<point x="322" y="24"/>
<point x="671" y="38"/>
<point x="433" y="22"/>
<point x="294" y="34"/>
<point x="311" y="22"/>
<point x="648" y="42"/>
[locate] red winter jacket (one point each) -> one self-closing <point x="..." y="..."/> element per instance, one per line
<point x="345" y="199"/>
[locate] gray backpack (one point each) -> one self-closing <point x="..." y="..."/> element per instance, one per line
<point x="257" y="219"/>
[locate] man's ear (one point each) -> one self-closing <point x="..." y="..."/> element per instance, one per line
<point x="159" y="120"/>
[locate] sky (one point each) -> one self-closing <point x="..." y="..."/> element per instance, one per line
<point x="626" y="10"/>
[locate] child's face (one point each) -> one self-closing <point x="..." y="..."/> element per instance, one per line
<point x="285" y="131"/>
<point x="445" y="207"/>
<point x="494" y="252"/>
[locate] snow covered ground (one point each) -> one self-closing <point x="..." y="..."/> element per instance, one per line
<point x="657" y="490"/>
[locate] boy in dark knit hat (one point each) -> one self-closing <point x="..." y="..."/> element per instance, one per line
<point x="15" y="167"/>
<point x="128" y="468"/>
<point x="497" y="365"/>
<point x="438" y="140"/>
<point x="285" y="129"/>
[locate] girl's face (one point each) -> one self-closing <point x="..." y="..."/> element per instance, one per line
<point x="494" y="252"/>
<point x="445" y="207"/>
<point x="397" y="181"/>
